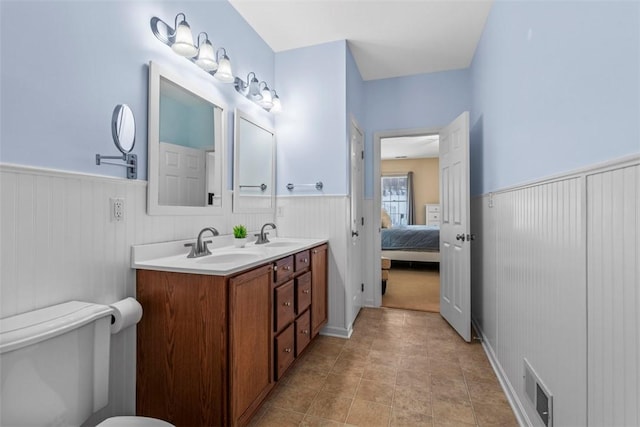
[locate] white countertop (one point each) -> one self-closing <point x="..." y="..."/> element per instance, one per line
<point x="225" y="259"/>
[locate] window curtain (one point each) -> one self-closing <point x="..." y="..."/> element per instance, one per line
<point x="411" y="206"/>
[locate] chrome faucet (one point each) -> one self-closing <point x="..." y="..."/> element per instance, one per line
<point x="262" y="237"/>
<point x="199" y="248"/>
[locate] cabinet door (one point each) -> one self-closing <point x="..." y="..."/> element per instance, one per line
<point x="302" y="261"/>
<point x="249" y="342"/>
<point x="303" y="292"/>
<point x="283" y="270"/>
<point x="284" y="305"/>
<point x="181" y="351"/>
<point x="318" y="288"/>
<point x="284" y="350"/>
<point x="303" y="332"/>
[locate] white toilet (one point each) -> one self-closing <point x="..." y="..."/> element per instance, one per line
<point x="55" y="367"/>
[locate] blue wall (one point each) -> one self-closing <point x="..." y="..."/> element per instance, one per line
<point x="311" y="128"/>
<point x="66" y="64"/>
<point x="555" y="87"/>
<point x="355" y="92"/>
<point x="422" y="101"/>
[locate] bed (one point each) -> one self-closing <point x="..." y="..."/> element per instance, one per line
<point x="411" y="243"/>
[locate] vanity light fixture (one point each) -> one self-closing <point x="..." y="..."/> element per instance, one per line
<point x="216" y="63"/>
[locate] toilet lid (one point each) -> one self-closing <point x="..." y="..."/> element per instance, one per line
<point x="134" y="422"/>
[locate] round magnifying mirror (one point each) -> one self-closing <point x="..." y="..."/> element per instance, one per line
<point x="123" y="128"/>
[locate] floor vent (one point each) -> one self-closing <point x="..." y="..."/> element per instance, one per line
<point x="538" y="394"/>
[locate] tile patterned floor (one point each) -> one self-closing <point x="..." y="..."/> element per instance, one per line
<point x="400" y="368"/>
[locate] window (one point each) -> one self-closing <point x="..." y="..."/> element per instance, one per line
<point x="394" y="198"/>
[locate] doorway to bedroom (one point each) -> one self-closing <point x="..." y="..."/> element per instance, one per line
<point x="410" y="220"/>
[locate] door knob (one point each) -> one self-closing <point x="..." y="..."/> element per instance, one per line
<point x="460" y="237"/>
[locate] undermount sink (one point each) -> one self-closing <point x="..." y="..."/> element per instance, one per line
<point x="280" y="244"/>
<point x="228" y="258"/>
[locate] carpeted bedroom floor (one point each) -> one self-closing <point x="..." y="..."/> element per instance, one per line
<point x="413" y="288"/>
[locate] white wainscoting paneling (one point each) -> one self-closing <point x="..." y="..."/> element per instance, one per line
<point x="540" y="300"/>
<point x="323" y="217"/>
<point x="555" y="280"/>
<point x="613" y="322"/>
<point x="59" y="244"/>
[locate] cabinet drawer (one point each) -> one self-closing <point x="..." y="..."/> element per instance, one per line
<point x="303" y="292"/>
<point x="283" y="270"/>
<point x="302" y="260"/>
<point x="283" y="306"/>
<point x="433" y="216"/>
<point x="433" y="208"/>
<point x="284" y="350"/>
<point x="303" y="332"/>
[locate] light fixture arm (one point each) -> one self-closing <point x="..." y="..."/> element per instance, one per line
<point x="218" y="53"/>
<point x="164" y="37"/>
<point x="206" y="38"/>
<point x="175" y="26"/>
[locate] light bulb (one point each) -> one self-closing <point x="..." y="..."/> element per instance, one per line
<point x="267" y="101"/>
<point x="206" y="57"/>
<point x="183" y="41"/>
<point x="254" y="90"/>
<point x="224" y="73"/>
<point x="277" y="105"/>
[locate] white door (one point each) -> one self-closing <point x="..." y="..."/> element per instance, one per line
<point x="357" y="201"/>
<point x="181" y="175"/>
<point x="455" y="247"/>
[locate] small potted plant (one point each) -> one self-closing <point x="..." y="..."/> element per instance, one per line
<point x="240" y="234"/>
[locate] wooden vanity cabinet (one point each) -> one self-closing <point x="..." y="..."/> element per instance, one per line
<point x="210" y="348"/>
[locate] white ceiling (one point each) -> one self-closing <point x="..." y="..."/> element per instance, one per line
<point x="388" y="38"/>
<point x="410" y="147"/>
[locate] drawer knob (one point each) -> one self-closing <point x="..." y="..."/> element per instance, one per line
<point x="287" y="350"/>
<point x="287" y="268"/>
<point x="305" y="332"/>
<point x="306" y="291"/>
<point x="315" y="251"/>
<point x="287" y="304"/>
<point x="306" y="260"/>
<point x="275" y="268"/>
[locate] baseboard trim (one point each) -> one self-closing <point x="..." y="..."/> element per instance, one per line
<point x="509" y="391"/>
<point x="333" y="331"/>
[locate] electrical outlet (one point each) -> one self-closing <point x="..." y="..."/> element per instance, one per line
<point x="117" y="209"/>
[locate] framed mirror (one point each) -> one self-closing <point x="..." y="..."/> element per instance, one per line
<point x="186" y="147"/>
<point x="254" y="165"/>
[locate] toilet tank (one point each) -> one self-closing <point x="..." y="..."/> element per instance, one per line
<point x="54" y="365"/>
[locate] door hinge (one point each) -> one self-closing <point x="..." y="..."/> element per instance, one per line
<point x="362" y="154"/>
<point x="362" y="287"/>
<point x="362" y="220"/>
